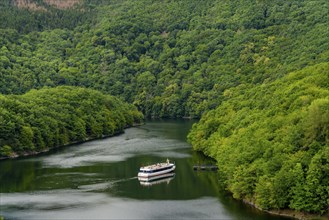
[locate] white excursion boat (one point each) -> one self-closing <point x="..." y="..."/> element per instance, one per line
<point x="155" y="171"/>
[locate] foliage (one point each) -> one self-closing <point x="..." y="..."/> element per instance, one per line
<point x="169" y="58"/>
<point x="6" y="151"/>
<point x="226" y="60"/>
<point x="38" y="15"/>
<point x="48" y="118"/>
<point x="272" y="141"/>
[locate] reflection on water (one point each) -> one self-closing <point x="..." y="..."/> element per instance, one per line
<point x="81" y="205"/>
<point x="164" y="178"/>
<point x="98" y="180"/>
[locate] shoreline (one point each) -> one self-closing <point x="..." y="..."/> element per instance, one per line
<point x="289" y="212"/>
<point x="297" y="214"/>
<point x="47" y="150"/>
<point x="283" y="212"/>
<point x="276" y="212"/>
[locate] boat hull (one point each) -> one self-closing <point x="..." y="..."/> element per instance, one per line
<point x="167" y="177"/>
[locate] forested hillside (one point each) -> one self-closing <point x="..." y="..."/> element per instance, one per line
<point x="272" y="141"/>
<point x="169" y="58"/>
<point x="255" y="71"/>
<point x="27" y="15"/>
<point x="43" y="119"/>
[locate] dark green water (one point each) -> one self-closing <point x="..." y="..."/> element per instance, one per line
<point x="97" y="180"/>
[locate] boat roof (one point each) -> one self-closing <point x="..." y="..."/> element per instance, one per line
<point x="156" y="166"/>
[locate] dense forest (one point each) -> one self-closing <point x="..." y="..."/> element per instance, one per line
<point x="254" y="71"/>
<point x="169" y="58"/>
<point x="51" y="117"/>
<point x="272" y="141"/>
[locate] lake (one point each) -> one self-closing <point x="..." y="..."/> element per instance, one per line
<point x="97" y="180"/>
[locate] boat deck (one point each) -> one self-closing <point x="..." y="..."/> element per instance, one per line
<point x="155" y="166"/>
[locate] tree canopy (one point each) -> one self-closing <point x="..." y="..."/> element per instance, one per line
<point x="272" y="141"/>
<point x="51" y="117"/>
<point x="255" y="71"/>
<point x="169" y="58"/>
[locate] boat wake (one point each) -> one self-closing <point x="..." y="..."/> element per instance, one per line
<point x="124" y="180"/>
<point x="103" y="186"/>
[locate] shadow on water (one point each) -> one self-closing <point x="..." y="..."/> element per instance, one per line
<point x="98" y="180"/>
